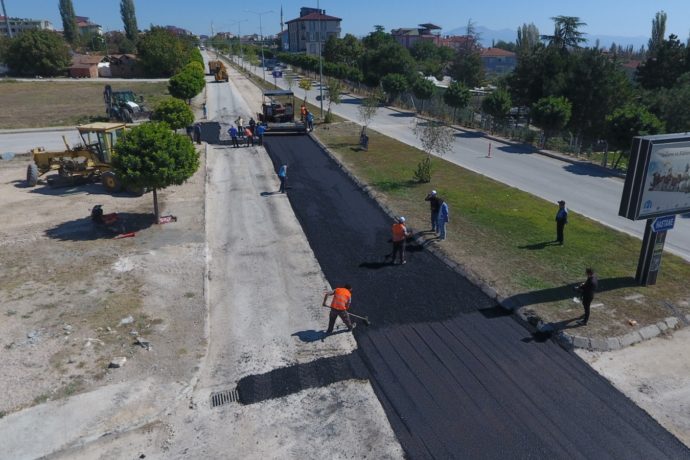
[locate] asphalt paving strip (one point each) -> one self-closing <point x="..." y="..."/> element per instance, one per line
<point x="456" y="377"/>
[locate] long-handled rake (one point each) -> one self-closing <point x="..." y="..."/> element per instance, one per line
<point x="364" y="319"/>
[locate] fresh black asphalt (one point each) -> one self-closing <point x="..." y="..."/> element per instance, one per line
<point x="457" y="376"/>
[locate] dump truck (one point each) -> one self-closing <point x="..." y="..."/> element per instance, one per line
<point x="124" y="105"/>
<point x="218" y="70"/>
<point x="89" y="161"/>
<point x="278" y="112"/>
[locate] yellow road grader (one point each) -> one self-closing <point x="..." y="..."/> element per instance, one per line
<point x="89" y="161"/>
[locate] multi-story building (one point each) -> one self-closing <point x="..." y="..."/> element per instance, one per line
<point x="311" y="29"/>
<point x="86" y="27"/>
<point x="408" y="36"/>
<point x="18" y="25"/>
<point x="498" y="61"/>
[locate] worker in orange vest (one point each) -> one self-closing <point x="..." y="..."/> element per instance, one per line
<point x="303" y="112"/>
<point x="342" y="297"/>
<point x="400" y="235"/>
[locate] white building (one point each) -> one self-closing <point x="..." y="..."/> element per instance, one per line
<point x="19" y="25"/>
<point x="312" y="26"/>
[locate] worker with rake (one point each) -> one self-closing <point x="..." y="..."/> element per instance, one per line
<point x="342" y="296"/>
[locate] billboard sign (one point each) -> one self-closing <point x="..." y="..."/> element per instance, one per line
<point x="658" y="179"/>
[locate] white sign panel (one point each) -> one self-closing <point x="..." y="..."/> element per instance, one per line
<point x="667" y="183"/>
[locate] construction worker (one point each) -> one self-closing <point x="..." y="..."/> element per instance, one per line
<point x="303" y="112"/>
<point x="400" y="235"/>
<point x="342" y="297"/>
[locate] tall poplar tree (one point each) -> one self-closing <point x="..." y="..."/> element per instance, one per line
<point x="69" y="22"/>
<point x="129" y="19"/>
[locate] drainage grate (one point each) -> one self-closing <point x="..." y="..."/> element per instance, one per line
<point x="221" y="398"/>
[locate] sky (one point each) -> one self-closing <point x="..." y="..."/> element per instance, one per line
<point x="603" y="17"/>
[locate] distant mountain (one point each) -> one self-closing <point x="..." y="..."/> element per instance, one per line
<point x="487" y="36"/>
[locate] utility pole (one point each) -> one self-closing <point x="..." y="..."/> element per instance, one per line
<point x="7" y="19"/>
<point x="320" y="61"/>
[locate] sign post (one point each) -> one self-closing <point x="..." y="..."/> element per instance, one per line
<point x="656" y="188"/>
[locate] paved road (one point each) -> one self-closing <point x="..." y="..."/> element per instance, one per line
<point x="457" y="377"/>
<point x="587" y="189"/>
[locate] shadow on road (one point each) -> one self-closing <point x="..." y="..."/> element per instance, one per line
<point x="588" y="169"/>
<point x="84" y="229"/>
<point x="519" y="149"/>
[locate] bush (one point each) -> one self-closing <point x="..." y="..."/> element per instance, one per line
<point x="423" y="172"/>
<point x="174" y="112"/>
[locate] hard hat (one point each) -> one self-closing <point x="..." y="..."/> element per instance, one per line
<point x="401" y="219"/>
<point x="433" y="192"/>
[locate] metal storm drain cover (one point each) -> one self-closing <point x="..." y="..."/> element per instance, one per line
<point x="220" y="398"/>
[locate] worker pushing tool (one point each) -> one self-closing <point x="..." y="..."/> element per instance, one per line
<point x="342" y="296"/>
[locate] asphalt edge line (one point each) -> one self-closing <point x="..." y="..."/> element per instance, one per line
<point x="523" y="315"/>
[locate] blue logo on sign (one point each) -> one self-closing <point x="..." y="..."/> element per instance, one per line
<point x="648" y="204"/>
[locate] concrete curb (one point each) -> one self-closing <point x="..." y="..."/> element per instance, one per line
<point x="524" y="315"/>
<point x="35" y="130"/>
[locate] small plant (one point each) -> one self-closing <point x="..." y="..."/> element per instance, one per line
<point x="423" y="172"/>
<point x="328" y="118"/>
<point x="10" y="312"/>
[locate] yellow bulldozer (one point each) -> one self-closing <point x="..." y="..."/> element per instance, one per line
<point x="89" y="161"/>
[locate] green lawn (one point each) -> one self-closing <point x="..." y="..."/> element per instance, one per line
<point x="503" y="236"/>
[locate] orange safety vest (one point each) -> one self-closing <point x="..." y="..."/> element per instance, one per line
<point x="341" y="299"/>
<point x="303" y="109"/>
<point x="399" y="231"/>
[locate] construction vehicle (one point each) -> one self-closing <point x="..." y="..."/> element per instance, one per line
<point x="89" y="161"/>
<point x="124" y="105"/>
<point x="278" y="113"/>
<point x="218" y="70"/>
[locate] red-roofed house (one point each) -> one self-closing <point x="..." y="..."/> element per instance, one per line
<point x="85" y="26"/>
<point x="85" y="66"/>
<point x="498" y="61"/>
<point x="303" y="32"/>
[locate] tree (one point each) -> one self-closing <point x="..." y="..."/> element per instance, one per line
<point x="118" y="43"/>
<point x="333" y="89"/>
<point x="436" y="139"/>
<point x="423" y="89"/>
<point x="630" y="121"/>
<point x="129" y="19"/>
<point x="69" y="22"/>
<point x="669" y="63"/>
<point x="527" y="38"/>
<point x="162" y="53"/>
<point x="38" y="52"/>
<point x="468" y="69"/>
<point x="566" y="35"/>
<point x="595" y="85"/>
<point x="551" y="114"/>
<point x="670" y="105"/>
<point x="658" y="33"/>
<point x="389" y="58"/>
<point x="394" y="84"/>
<point x="504" y="45"/>
<point x="497" y="105"/>
<point x="457" y="96"/>
<point x="175" y="112"/>
<point x="151" y="156"/>
<point x="367" y="110"/>
<point x="188" y="83"/>
<point x="305" y="84"/>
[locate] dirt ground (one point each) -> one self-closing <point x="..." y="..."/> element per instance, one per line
<point x="72" y="297"/>
<point x="56" y="100"/>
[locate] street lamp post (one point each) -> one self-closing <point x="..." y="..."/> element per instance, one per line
<point x="239" y="37"/>
<point x="263" y="61"/>
<point x="320" y="61"/>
